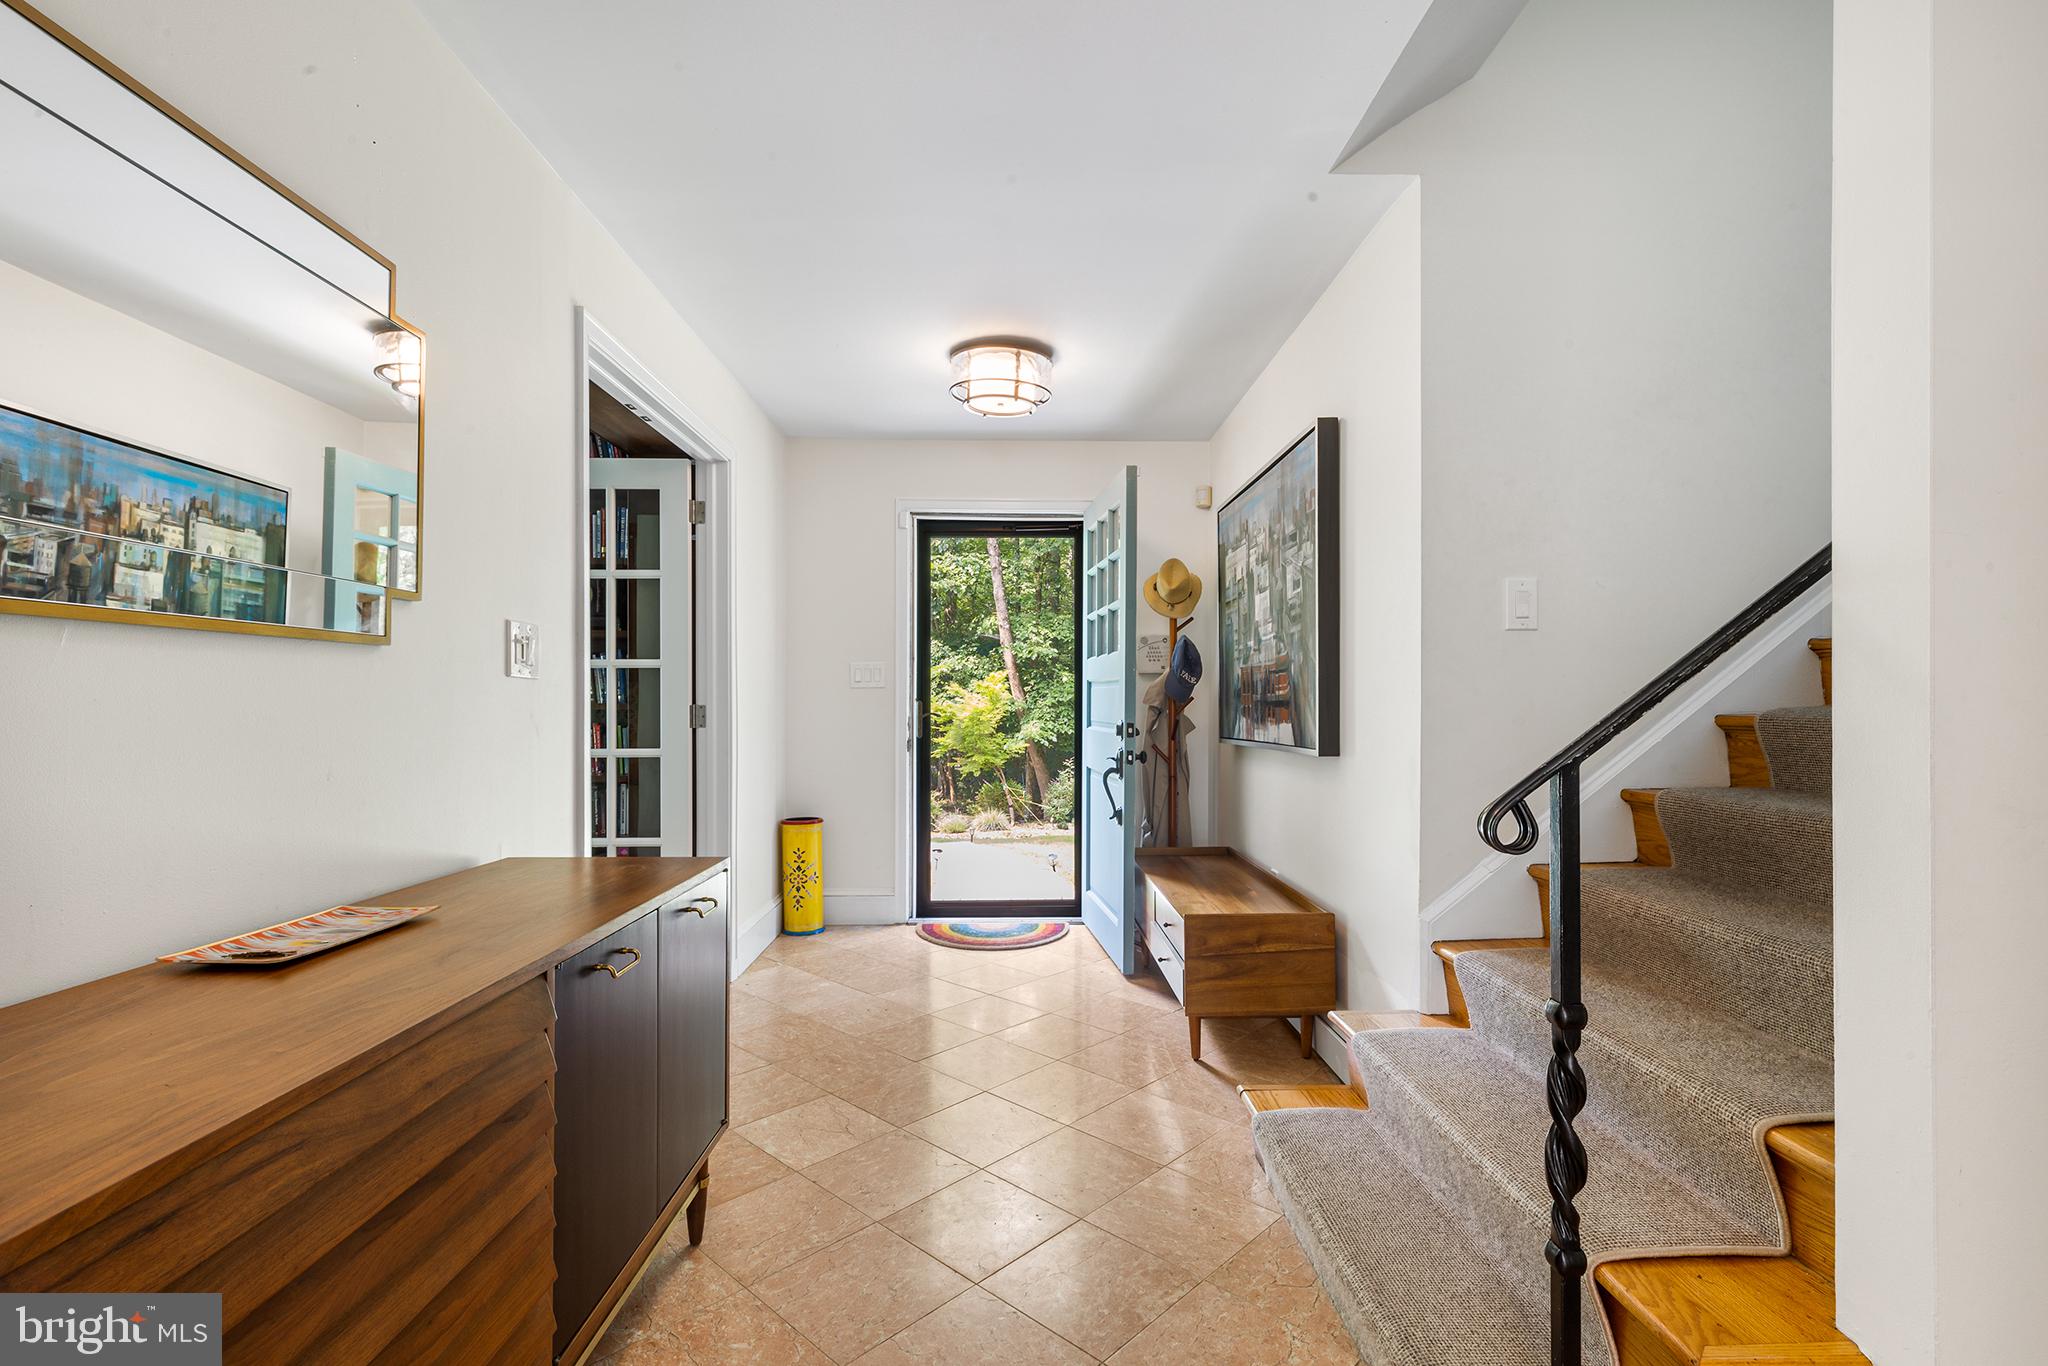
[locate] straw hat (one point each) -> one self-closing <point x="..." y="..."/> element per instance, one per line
<point x="1173" y="591"/>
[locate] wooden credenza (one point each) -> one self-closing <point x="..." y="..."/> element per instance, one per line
<point x="1232" y="940"/>
<point x="453" y="1142"/>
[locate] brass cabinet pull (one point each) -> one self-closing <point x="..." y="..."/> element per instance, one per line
<point x="702" y="906"/>
<point x="621" y="972"/>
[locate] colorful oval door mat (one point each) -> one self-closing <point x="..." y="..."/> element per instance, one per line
<point x="991" y="934"/>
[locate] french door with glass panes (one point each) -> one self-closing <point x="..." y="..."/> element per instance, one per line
<point x="642" y="746"/>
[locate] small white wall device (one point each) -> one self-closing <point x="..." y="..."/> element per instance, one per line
<point x="522" y="649"/>
<point x="1519" y="596"/>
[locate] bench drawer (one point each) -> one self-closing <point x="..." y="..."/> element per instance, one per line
<point x="1167" y="921"/>
<point x="1167" y="956"/>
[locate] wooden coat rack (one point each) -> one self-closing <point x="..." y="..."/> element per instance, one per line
<point x="1173" y="630"/>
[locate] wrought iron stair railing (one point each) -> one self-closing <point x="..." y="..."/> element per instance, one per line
<point x="1564" y="1156"/>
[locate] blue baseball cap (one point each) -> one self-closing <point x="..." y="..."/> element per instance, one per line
<point x="1185" y="671"/>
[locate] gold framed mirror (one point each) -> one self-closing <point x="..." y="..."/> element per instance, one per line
<point x="211" y="411"/>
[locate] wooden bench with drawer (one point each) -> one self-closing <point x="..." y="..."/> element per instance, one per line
<point x="1233" y="941"/>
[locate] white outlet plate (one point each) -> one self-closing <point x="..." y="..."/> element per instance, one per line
<point x="522" y="649"/>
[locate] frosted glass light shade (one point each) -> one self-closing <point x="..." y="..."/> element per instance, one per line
<point x="1001" y="381"/>
<point x="399" y="361"/>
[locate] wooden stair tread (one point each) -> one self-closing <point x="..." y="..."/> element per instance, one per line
<point x="1747" y="766"/>
<point x="1346" y="1023"/>
<point x="1809" y="1146"/>
<point x="1823" y="648"/>
<point x="1681" y="1309"/>
<point x="1449" y="949"/>
<point x="1651" y="846"/>
<point x="1261" y="1099"/>
<point x="1785" y="1354"/>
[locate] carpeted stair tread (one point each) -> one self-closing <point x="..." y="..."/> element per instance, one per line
<point x="1766" y="960"/>
<point x="1763" y="841"/>
<point x="1408" y="1285"/>
<point x="1472" y="1122"/>
<point x="1798" y="744"/>
<point x="1691" y="1087"/>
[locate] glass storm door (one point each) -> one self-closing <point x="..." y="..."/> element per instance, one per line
<point x="1110" y="745"/>
<point x="642" y="746"/>
<point x="998" y="693"/>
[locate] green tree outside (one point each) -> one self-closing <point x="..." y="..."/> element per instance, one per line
<point x="985" y="590"/>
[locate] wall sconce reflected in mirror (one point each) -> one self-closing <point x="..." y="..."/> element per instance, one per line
<point x="399" y="361"/>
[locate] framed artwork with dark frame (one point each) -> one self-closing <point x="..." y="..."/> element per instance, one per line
<point x="1276" y="564"/>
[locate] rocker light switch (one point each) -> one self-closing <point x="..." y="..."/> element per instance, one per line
<point x="868" y="675"/>
<point x="1520" y="596"/>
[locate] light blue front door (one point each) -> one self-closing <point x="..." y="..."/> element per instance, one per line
<point x="1109" y="720"/>
<point x="370" y="539"/>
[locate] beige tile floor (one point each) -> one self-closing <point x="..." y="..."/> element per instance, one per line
<point x="946" y="1157"/>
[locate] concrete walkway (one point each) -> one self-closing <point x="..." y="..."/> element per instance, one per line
<point x="968" y="871"/>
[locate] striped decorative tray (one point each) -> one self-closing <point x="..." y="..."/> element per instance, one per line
<point x="301" y="938"/>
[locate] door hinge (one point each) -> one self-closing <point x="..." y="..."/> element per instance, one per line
<point x="699" y="716"/>
<point x="696" y="512"/>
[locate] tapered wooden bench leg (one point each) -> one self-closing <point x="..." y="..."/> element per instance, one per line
<point x="693" y="1216"/>
<point x="1195" y="1037"/>
<point x="1308" y="1036"/>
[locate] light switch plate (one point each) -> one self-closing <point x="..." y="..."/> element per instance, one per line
<point x="522" y="649"/>
<point x="1518" y="604"/>
<point x="868" y="674"/>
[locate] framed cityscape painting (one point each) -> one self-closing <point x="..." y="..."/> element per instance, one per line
<point x="89" y="521"/>
<point x="1276" y="560"/>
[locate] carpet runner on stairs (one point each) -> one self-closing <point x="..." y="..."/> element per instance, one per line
<point x="1710" y="990"/>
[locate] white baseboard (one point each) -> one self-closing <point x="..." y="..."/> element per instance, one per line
<point x="1676" y="746"/>
<point x="864" y="908"/>
<point x="756" y="935"/>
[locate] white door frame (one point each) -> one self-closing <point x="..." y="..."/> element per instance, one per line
<point x="602" y="359"/>
<point x="887" y="906"/>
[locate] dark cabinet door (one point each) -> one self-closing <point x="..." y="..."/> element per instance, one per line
<point x="693" y="1054"/>
<point x="606" y="1082"/>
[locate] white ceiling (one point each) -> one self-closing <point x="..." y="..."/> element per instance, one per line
<point x="835" y="193"/>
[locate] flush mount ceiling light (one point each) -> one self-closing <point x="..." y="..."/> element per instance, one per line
<point x="398" y="361"/>
<point x="1002" y="378"/>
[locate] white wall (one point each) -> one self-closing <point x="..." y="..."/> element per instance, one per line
<point x="1345" y="829"/>
<point x="1624" y="373"/>
<point x="177" y="397"/>
<point x="166" y="787"/>
<point x="1941" y="339"/>
<point x="845" y="746"/>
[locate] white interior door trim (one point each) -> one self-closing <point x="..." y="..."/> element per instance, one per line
<point x="602" y="358"/>
<point x="896" y="903"/>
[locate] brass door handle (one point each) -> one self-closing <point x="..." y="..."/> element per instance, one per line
<point x="701" y="906"/>
<point x="621" y="972"/>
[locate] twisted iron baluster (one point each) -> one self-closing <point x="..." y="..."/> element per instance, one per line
<point x="1564" y="1157"/>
